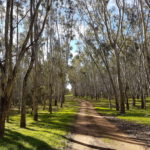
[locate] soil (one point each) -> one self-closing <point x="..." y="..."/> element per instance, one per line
<point x="93" y="131"/>
<point x="138" y="131"/>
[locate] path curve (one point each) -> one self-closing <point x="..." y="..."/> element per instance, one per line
<point x="92" y="131"/>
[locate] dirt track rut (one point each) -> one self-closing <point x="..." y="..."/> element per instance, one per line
<point x="92" y="131"/>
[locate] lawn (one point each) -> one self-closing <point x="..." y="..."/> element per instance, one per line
<point x="135" y="114"/>
<point x="49" y="133"/>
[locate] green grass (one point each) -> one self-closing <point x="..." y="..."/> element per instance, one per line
<point x="46" y="134"/>
<point x="135" y="114"/>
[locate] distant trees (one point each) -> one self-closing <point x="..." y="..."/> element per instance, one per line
<point x="116" y="52"/>
<point x="113" y="60"/>
<point x="34" y="53"/>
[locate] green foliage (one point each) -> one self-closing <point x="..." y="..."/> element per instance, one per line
<point x="46" y="134"/>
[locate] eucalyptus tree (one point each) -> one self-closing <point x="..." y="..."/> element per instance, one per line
<point x="113" y="34"/>
<point x="9" y="67"/>
<point x="101" y="14"/>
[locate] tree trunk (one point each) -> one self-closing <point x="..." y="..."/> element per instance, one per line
<point x="133" y="101"/>
<point x="4" y="107"/>
<point x="50" y="105"/>
<point x="55" y="100"/>
<point x="127" y="99"/>
<point x="50" y="101"/>
<point x="122" y="96"/>
<point x="44" y="104"/>
<point x="62" y="98"/>
<point x="2" y="124"/>
<point x="23" y="110"/>
<point x="23" y="115"/>
<point x="35" y="107"/>
<point x="142" y="101"/>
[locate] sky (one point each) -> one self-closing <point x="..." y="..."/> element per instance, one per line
<point x="82" y="30"/>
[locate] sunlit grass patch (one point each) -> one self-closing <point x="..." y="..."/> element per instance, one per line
<point x="106" y="111"/>
<point x="46" y="134"/>
<point x="135" y="114"/>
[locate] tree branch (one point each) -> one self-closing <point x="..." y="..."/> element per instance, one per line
<point x="148" y="3"/>
<point x="43" y="25"/>
<point x="21" y="19"/>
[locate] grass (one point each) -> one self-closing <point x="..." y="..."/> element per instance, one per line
<point x="46" y="134"/>
<point x="135" y="114"/>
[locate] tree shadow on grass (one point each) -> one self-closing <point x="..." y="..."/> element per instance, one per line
<point x="52" y="121"/>
<point x="107" y="112"/>
<point x="15" y="138"/>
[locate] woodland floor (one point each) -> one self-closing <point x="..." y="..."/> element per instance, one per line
<point x="48" y="133"/>
<point x="93" y="131"/>
<point x="79" y="125"/>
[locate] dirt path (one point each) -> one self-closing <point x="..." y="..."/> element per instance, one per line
<point x="92" y="131"/>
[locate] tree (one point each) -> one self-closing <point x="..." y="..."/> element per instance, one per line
<point x="8" y="69"/>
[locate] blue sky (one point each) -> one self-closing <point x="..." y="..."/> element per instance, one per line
<point x="82" y="29"/>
